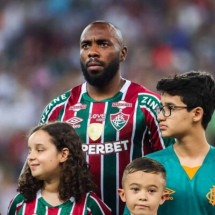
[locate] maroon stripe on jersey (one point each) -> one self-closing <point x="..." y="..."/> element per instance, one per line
<point x="73" y="100"/>
<point x="80" y="206"/>
<point x="75" y="95"/>
<point x="130" y="98"/>
<point x="30" y="207"/>
<point x="96" y="116"/>
<point x="157" y="144"/>
<point x="55" y="114"/>
<point x="53" y="211"/>
<point x="124" y="157"/>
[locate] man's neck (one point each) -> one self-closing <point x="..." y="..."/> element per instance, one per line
<point x="107" y="91"/>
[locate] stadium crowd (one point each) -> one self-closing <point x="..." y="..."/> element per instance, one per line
<point x="39" y="57"/>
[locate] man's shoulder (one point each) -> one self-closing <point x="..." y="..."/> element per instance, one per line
<point x="146" y="97"/>
<point x="142" y="89"/>
<point x="53" y="108"/>
<point x="61" y="98"/>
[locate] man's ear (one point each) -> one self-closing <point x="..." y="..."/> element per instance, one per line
<point x="64" y="155"/>
<point x="121" y="193"/>
<point x="123" y="53"/>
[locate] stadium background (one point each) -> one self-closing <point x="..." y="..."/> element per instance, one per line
<point x="39" y="57"/>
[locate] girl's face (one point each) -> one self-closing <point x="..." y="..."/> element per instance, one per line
<point x="44" y="159"/>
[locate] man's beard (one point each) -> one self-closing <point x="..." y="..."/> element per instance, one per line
<point x="104" y="78"/>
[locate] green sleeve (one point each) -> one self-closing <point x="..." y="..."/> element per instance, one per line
<point x="126" y="211"/>
<point x="15" y="204"/>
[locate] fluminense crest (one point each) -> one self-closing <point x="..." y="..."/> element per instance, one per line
<point x="211" y="196"/>
<point x="119" y="120"/>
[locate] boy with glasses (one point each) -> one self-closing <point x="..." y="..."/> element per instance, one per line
<point x="188" y="102"/>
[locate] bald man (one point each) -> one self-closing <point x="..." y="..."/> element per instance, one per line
<point x="115" y="118"/>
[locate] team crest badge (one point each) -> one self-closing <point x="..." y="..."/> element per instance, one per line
<point x="95" y="130"/>
<point x="119" y="120"/>
<point x="211" y="196"/>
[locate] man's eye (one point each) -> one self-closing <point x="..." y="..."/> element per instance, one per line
<point x="84" y="46"/>
<point x="103" y="44"/>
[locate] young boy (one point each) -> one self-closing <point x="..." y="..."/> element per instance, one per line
<point x="188" y="102"/>
<point x="143" y="185"/>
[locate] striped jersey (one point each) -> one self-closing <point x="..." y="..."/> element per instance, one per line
<point x="113" y="131"/>
<point x="90" y="204"/>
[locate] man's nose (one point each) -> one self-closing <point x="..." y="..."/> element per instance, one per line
<point x="93" y="51"/>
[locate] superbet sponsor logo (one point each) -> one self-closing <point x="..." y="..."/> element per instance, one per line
<point x="77" y="107"/>
<point x="105" y="148"/>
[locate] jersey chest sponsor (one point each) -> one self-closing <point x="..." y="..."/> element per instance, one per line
<point x="105" y="148"/>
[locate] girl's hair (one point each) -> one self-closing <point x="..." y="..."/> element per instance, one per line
<point x="75" y="178"/>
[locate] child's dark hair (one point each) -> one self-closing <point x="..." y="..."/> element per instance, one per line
<point x="75" y="179"/>
<point x="144" y="164"/>
<point x="196" y="89"/>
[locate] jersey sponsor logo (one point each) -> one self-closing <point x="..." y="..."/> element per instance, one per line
<point x="74" y="121"/>
<point x="98" y="117"/>
<point x="148" y="100"/>
<point x="211" y="196"/>
<point x="94" y="130"/>
<point x="105" y="148"/>
<point x="121" y="104"/>
<point x="119" y="120"/>
<point x="78" y="107"/>
<point x="169" y="192"/>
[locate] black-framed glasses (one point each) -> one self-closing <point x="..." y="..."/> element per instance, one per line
<point x="167" y="109"/>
